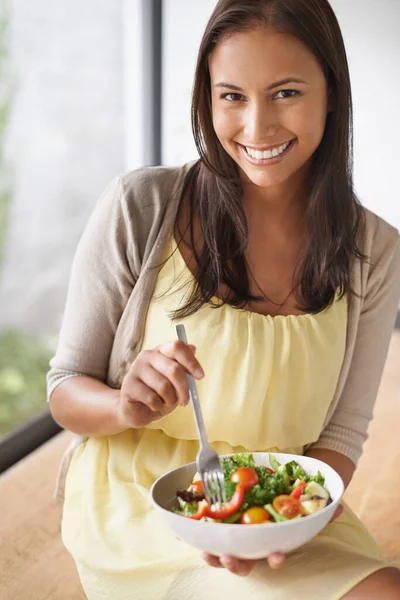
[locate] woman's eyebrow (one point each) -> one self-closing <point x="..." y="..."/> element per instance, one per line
<point x="276" y="84"/>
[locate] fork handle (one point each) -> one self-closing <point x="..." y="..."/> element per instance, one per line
<point x="181" y="333"/>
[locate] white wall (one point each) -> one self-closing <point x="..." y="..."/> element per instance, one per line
<point x="370" y="29"/>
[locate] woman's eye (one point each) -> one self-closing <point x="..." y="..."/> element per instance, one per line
<point x="232" y="97"/>
<point x="286" y="94"/>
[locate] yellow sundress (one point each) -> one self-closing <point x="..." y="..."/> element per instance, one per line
<point x="268" y="384"/>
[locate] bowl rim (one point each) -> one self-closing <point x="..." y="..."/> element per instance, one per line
<point x="290" y="522"/>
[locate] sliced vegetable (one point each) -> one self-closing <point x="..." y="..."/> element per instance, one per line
<point x="312" y="506"/>
<point x="255" y="515"/>
<point x="197" y="487"/>
<point x="233" y="518"/>
<point x="274" y="463"/>
<point x="298" y="490"/>
<point x="277" y="517"/>
<point x="287" y="506"/>
<point x="226" y="510"/>
<point x="246" y="476"/>
<point x="256" y="494"/>
<point x="304" y="497"/>
<point x="315" y="489"/>
<point x="189" y="496"/>
<point x="202" y="510"/>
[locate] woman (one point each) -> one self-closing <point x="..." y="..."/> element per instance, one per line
<point x="288" y="290"/>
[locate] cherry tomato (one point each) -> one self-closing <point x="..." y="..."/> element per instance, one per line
<point x="253" y="515"/>
<point x="246" y="476"/>
<point x="287" y="506"/>
<point x="197" y="487"/>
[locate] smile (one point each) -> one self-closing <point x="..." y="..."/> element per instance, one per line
<point x="266" y="156"/>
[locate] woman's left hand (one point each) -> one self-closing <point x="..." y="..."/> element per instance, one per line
<point x="242" y="567"/>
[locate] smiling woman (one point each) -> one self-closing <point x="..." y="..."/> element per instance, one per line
<point x="279" y="274"/>
<point x="274" y="89"/>
<point x="285" y="123"/>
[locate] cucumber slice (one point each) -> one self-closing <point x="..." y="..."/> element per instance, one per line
<point x="313" y="506"/>
<point x="305" y="497"/>
<point x="314" y="489"/>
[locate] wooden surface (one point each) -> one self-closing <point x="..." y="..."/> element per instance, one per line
<point x="35" y="566"/>
<point x="374" y="492"/>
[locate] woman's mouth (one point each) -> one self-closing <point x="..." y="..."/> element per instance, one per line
<point x="267" y="157"/>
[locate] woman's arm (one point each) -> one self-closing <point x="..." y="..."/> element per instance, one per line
<point x="346" y="431"/>
<point x="339" y="462"/>
<point x="86" y="406"/>
<point x="102" y="278"/>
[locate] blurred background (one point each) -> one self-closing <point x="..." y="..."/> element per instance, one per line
<point x="92" y="88"/>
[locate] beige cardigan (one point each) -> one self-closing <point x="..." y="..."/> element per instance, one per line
<point x="115" y="270"/>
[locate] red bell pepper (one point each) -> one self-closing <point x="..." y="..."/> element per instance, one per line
<point x="202" y="510"/>
<point x="226" y="510"/>
<point x="298" y="490"/>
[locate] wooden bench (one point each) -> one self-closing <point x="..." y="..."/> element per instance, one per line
<point x="34" y="565"/>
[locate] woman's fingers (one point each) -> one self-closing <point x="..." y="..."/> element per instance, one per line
<point x="174" y="373"/>
<point x="242" y="567"/>
<point x="153" y="375"/>
<point x="184" y="355"/>
<point x="212" y="560"/>
<point x="145" y="394"/>
<point x="237" y="566"/>
<point x="233" y="564"/>
<point x="156" y="383"/>
<point x="276" y="560"/>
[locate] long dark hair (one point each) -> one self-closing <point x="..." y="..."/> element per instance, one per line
<point x="334" y="216"/>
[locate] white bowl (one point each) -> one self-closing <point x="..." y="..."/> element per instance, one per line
<point x="245" y="541"/>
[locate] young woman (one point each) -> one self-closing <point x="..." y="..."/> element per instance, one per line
<point x="288" y="289"/>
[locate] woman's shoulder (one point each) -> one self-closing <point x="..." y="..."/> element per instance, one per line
<point x="381" y="240"/>
<point x="152" y="186"/>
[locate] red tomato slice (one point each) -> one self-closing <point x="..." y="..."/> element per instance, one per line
<point x="287" y="506"/>
<point x="254" y="515"/>
<point x="246" y="476"/>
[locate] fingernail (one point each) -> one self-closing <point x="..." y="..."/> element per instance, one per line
<point x="199" y="373"/>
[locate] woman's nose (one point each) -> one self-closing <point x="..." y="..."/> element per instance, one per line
<point x="260" y="123"/>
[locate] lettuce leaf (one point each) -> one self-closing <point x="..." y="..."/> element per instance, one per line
<point x="294" y="470"/>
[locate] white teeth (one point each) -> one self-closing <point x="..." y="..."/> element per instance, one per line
<point x="262" y="154"/>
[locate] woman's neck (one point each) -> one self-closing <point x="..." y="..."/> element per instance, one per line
<point x="280" y="207"/>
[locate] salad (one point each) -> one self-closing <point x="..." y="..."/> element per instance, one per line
<point x="256" y="494"/>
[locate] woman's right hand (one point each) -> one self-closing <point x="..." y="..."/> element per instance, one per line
<point x="156" y="384"/>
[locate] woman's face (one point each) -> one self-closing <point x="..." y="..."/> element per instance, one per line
<point x="269" y="104"/>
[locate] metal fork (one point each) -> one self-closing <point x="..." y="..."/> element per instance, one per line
<point x="207" y="461"/>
